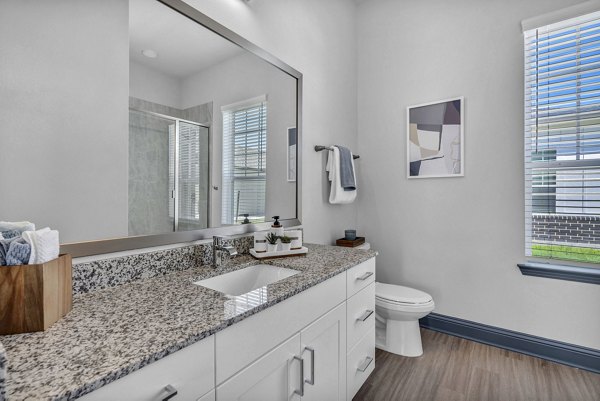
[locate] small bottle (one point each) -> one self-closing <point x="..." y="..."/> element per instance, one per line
<point x="260" y="243"/>
<point x="276" y="227"/>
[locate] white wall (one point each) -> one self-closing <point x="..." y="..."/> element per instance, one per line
<point x="457" y="238"/>
<point x="317" y="38"/>
<point x="63" y="106"/>
<point x="237" y="79"/>
<point x="154" y="86"/>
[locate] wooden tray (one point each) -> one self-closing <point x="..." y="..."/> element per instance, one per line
<point x="33" y="297"/>
<point x="350" y="243"/>
<point x="279" y="254"/>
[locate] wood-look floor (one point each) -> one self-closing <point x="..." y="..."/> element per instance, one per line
<point x="455" y="369"/>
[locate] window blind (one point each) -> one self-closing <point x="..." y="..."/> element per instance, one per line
<point x="188" y="196"/>
<point x="189" y="171"/>
<point x="244" y="162"/>
<point x="562" y="140"/>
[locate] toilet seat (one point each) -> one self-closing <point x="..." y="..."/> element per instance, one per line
<point x="390" y="294"/>
<point x="404" y="307"/>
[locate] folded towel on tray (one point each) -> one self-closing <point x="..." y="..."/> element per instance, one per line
<point x="44" y="245"/>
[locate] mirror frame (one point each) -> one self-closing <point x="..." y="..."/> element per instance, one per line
<point x="96" y="247"/>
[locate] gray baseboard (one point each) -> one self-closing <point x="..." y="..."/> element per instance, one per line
<point x="555" y="351"/>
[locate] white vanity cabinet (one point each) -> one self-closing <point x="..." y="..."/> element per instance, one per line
<point x="317" y="345"/>
<point x="311" y="365"/>
<point x="360" y="326"/>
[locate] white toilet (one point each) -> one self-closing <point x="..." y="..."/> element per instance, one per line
<point x="398" y="310"/>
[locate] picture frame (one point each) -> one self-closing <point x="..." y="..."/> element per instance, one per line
<point x="292" y="145"/>
<point x="435" y="140"/>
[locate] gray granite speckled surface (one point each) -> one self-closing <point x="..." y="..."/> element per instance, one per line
<point x="3" y="366"/>
<point x="106" y="273"/>
<point x="115" y="331"/>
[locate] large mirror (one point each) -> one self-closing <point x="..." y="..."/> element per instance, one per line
<point x="159" y="126"/>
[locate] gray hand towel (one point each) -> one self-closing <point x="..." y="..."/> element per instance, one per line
<point x="14" y="251"/>
<point x="18" y="253"/>
<point x="4" y="246"/>
<point x="10" y="234"/>
<point x="346" y="169"/>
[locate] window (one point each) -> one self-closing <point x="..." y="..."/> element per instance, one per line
<point x="244" y="161"/>
<point x="562" y="140"/>
<point x="190" y="173"/>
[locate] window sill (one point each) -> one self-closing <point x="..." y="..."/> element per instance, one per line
<point x="590" y="275"/>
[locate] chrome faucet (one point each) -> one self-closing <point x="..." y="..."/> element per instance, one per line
<point x="219" y="249"/>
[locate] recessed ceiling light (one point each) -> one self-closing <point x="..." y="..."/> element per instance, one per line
<point x="150" y="53"/>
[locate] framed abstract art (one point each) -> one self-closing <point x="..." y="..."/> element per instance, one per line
<point x="435" y="137"/>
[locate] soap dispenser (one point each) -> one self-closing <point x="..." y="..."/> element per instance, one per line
<point x="276" y="227"/>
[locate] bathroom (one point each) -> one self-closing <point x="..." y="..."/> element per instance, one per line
<point x="78" y="97"/>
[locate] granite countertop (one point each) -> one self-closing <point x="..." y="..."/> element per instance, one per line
<point x="115" y="331"/>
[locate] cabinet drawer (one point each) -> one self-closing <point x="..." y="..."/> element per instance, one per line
<point x="360" y="314"/>
<point x="360" y="276"/>
<point x="361" y="363"/>
<point x="190" y="371"/>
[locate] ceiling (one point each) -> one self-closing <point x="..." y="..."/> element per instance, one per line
<point x="184" y="47"/>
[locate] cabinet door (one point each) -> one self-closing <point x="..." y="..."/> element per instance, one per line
<point x="324" y="355"/>
<point x="273" y="377"/>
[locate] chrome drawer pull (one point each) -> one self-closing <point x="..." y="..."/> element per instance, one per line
<point x="301" y="391"/>
<point x="312" y="366"/>
<point x="171" y="392"/>
<point x="365" y="364"/>
<point x="365" y="315"/>
<point x="365" y="276"/>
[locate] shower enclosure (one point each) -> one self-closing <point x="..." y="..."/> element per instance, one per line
<point x="168" y="174"/>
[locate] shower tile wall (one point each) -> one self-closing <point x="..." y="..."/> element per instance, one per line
<point x="148" y="175"/>
<point x="149" y="167"/>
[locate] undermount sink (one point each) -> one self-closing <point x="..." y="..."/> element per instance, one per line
<point x="248" y="279"/>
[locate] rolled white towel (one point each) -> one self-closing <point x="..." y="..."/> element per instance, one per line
<point x="44" y="245"/>
<point x="17" y="225"/>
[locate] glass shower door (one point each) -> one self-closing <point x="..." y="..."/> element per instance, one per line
<point x="151" y="208"/>
<point x="168" y="174"/>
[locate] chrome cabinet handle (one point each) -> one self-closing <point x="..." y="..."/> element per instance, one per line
<point x="171" y="392"/>
<point x="365" y="315"/>
<point x="365" y="276"/>
<point x="301" y="391"/>
<point x="312" y="366"/>
<point x="365" y="364"/>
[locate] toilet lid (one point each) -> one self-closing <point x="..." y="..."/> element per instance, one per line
<point x="400" y="294"/>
